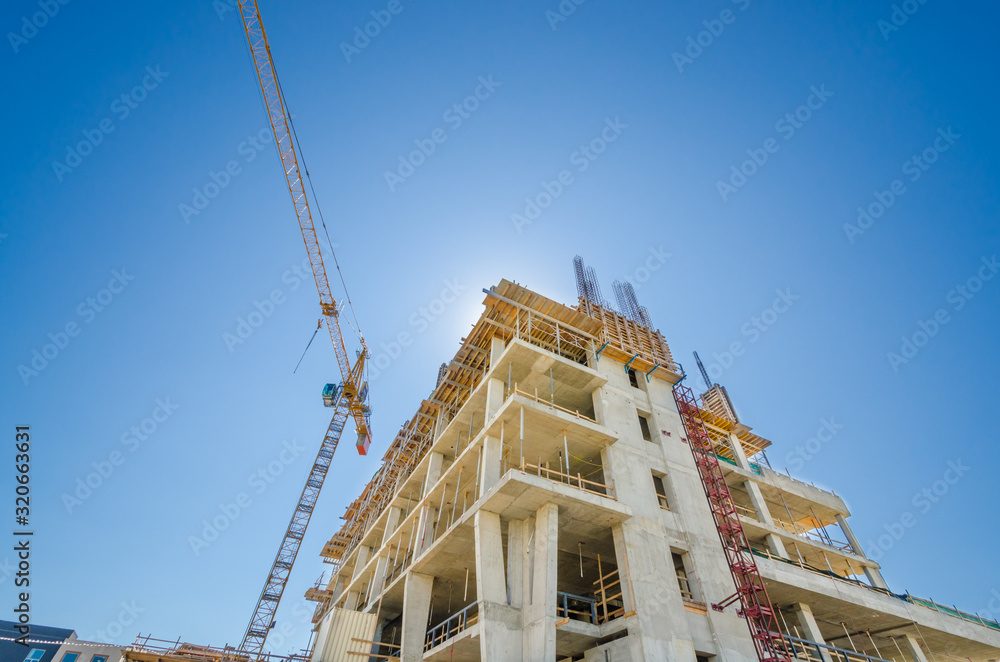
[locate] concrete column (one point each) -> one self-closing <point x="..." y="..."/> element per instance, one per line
<point x="660" y="627"/>
<point x="912" y="646"/>
<point x="428" y="513"/>
<point x="528" y="560"/>
<point x="759" y="505"/>
<point x="353" y="597"/>
<point x="439" y="423"/>
<point x="810" y="629"/>
<point x="741" y="458"/>
<point x="491" y="585"/>
<point x="500" y="632"/>
<point x="496" y="349"/>
<point x="433" y="472"/>
<point x="625" y="582"/>
<point x="495" y="387"/>
<point x="516" y="538"/>
<point x="873" y="574"/>
<point x="416" y="610"/>
<point x="425" y="532"/>
<point x="494" y="397"/>
<point x="489" y="472"/>
<point x="540" y="615"/>
<point x="391" y="522"/>
<point x="774" y="543"/>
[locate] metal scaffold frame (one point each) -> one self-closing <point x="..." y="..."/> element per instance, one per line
<point x="750" y="590"/>
<point x="270" y="596"/>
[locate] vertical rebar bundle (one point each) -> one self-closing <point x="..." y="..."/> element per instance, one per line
<point x="628" y="303"/>
<point x="587" y="286"/>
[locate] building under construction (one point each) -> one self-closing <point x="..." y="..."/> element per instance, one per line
<point x="562" y="495"/>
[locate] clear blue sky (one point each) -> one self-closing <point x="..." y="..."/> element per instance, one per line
<point x="185" y="279"/>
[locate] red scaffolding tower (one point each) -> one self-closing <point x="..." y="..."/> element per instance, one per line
<point x="750" y="591"/>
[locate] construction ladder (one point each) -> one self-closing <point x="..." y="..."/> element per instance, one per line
<point x="750" y="591"/>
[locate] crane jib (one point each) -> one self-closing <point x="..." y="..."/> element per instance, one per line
<point x="351" y="402"/>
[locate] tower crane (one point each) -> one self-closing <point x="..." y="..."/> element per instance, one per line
<point x="348" y="400"/>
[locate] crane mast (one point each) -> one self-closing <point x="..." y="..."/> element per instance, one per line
<point x="350" y="401"/>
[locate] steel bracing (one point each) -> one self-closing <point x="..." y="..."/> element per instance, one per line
<point x="270" y="596"/>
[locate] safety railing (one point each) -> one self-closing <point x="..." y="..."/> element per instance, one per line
<point x="811" y="534"/>
<point x="376" y="652"/>
<point x="398" y="570"/>
<point x="577" y="481"/>
<point x="197" y="653"/>
<point x="753" y="465"/>
<point x="905" y="597"/>
<point x="452" y="626"/>
<point x="750" y="513"/>
<point x="953" y="611"/>
<point x="608" y="589"/>
<point x="576" y="607"/>
<point x="550" y="402"/>
<point x="802" y="649"/>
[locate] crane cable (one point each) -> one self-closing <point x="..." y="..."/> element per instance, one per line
<point x="305" y="167"/>
<point x="309" y="344"/>
<point x="319" y="211"/>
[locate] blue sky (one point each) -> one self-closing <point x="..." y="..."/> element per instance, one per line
<point x="111" y="217"/>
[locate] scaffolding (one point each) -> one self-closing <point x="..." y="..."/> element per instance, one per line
<point x="750" y="592"/>
<point x="513" y="313"/>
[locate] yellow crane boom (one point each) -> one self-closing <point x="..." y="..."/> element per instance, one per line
<point x="278" y="116"/>
<point x="350" y="401"/>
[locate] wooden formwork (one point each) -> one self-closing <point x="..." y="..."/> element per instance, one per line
<point x="511" y="312"/>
